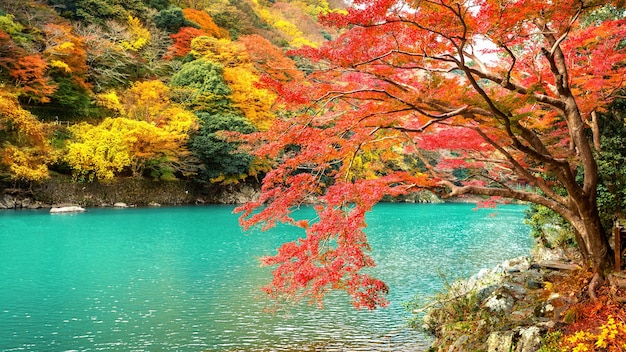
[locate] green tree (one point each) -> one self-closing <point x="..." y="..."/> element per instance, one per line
<point x="202" y="82"/>
<point x="99" y="11"/>
<point x="171" y="20"/>
<point x="221" y="160"/>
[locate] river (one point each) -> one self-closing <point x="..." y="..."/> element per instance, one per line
<point x="188" y="278"/>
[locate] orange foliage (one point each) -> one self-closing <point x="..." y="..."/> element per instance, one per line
<point x="26" y="152"/>
<point x="418" y="78"/>
<point x="66" y="52"/>
<point x="204" y="20"/>
<point x="182" y="42"/>
<point x="9" y="51"/>
<point x="269" y="59"/>
<point x="30" y="75"/>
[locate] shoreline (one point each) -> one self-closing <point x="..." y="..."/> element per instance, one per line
<point x="510" y="307"/>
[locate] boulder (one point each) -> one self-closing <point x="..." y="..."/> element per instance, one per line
<point x="67" y="209"/>
<point x="500" y="341"/>
<point x="120" y="205"/>
<point x="460" y="344"/>
<point x="500" y="301"/>
<point x="529" y="339"/>
<point x="8" y="202"/>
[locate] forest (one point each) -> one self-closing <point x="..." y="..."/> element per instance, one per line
<point x="334" y="105"/>
<point x="96" y="89"/>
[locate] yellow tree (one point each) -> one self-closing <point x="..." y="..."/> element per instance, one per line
<point x="150" y="101"/>
<point x="253" y="101"/>
<point x="139" y="35"/>
<point x="25" y="152"/>
<point x="240" y="74"/>
<point x="150" y="134"/>
<point x="120" y="145"/>
<point x="223" y="51"/>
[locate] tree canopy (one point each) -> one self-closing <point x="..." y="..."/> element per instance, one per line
<point x="503" y="92"/>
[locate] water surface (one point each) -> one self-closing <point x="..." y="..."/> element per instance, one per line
<point x="187" y="279"/>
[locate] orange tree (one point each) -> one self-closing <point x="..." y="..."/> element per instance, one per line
<point x="489" y="95"/>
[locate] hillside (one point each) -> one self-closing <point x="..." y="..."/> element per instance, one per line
<point x="96" y="90"/>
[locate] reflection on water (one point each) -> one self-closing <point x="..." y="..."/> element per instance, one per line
<point x="187" y="279"/>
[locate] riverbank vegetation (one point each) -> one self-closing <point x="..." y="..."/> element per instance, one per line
<point x="337" y="106"/>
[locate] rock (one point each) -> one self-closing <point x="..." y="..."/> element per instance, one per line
<point x="500" y="341"/>
<point x="460" y="344"/>
<point x="67" y="209"/>
<point x="485" y="292"/>
<point x="518" y="264"/>
<point x="8" y="202"/>
<point x="25" y="203"/>
<point x="556" y="265"/>
<point x="500" y="301"/>
<point x="36" y="205"/>
<point x="533" y="284"/>
<point x="154" y="204"/>
<point x="529" y="339"/>
<point x="542" y="253"/>
<point x="120" y="205"/>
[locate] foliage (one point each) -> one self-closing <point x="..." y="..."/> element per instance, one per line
<point x="222" y="51"/>
<point x="182" y="42"/>
<point x="150" y="101"/>
<point x="269" y="60"/>
<point x="610" y="337"/>
<point x="119" y="144"/>
<point x="254" y="102"/>
<point x="108" y="64"/>
<point x="612" y="164"/>
<point x="204" y="80"/>
<point x="221" y="160"/>
<point x="204" y="21"/>
<point x="31" y="78"/>
<point x="98" y="11"/>
<point x="551" y="343"/>
<point x="549" y="227"/>
<point x="71" y="62"/>
<point x="500" y="93"/>
<point x="139" y="35"/>
<point x="171" y="19"/>
<point x="25" y="152"/>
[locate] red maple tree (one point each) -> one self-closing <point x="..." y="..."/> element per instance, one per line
<point x="502" y="90"/>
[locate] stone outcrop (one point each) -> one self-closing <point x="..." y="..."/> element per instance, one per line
<point x="8" y="201"/>
<point x="67" y="209"/>
<point x="507" y="304"/>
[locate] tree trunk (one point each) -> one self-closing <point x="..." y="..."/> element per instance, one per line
<point x="596" y="243"/>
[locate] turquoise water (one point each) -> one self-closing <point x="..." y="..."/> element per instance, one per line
<point x="187" y="279"/>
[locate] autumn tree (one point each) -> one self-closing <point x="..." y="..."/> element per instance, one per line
<point x="182" y="42"/>
<point x="504" y="91"/>
<point x="270" y="60"/>
<point x="121" y="145"/>
<point x="30" y="75"/>
<point x="204" y="21"/>
<point x="25" y="150"/>
<point x="109" y="65"/>
<point x="66" y="53"/>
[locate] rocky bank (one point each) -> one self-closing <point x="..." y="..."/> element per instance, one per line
<point x="59" y="191"/>
<point x="507" y="308"/>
